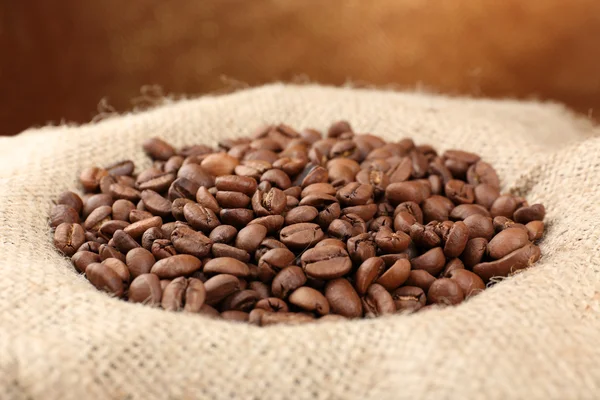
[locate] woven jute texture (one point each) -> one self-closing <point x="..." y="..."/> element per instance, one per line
<point x="535" y="335"/>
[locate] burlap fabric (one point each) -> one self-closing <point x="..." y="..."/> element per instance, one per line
<point x="535" y="335"/>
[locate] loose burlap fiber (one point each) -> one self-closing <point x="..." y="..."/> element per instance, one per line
<point x="535" y="335"/>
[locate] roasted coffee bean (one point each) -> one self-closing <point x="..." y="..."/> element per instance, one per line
<point x="485" y="195"/>
<point x="355" y="194"/>
<point x="139" y="261"/>
<point x="243" y="300"/>
<point x="400" y="192"/>
<point x="156" y="204"/>
<point x="68" y="238"/>
<point x="341" y="229"/>
<point x="301" y="214"/>
<point x="452" y="265"/>
<point x="97" y="217"/>
<point x="238" y="217"/>
<point x="108" y="251"/>
<point x="196" y="174"/>
<point x="163" y="248"/>
<point x="232" y="199"/>
<point x="109" y="228"/>
<point x="90" y="178"/>
<point x="482" y="172"/>
<point x="436" y="208"/>
<point x="224" y="250"/>
<point x="524" y="215"/>
<point x="459" y="192"/>
<point x="380" y="222"/>
<point x="105" y="279"/>
<point x="389" y="242"/>
<point x="479" y="226"/>
<point x="456" y="240"/>
<point x="358" y="224"/>
<point x="287" y="280"/>
<point x="223" y="234"/>
<point x="361" y="247"/>
<point x="158" y="149"/>
<point x="250" y="237"/>
<point x="235" y="183"/>
<point x="137" y="229"/>
<point x="272" y="261"/>
<point x="343" y="299"/>
<point x="432" y="261"/>
<point x="470" y="283"/>
<point x="188" y="241"/>
<point x="271" y="202"/>
<point x="273" y="223"/>
<point x="511" y="263"/>
<point x="318" y="188"/>
<point x="200" y="218"/>
<point x="368" y="272"/>
<point x="506" y="242"/>
<point x="82" y="259"/>
<point x="309" y="299"/>
<point x="409" y="298"/>
<point x="63" y="213"/>
<point x="184" y="188"/>
<point x="150" y="236"/>
<point x="145" y="289"/>
<point x="70" y="199"/>
<point x="378" y="301"/>
<point x="209" y="312"/>
<point x="272" y="304"/>
<point x="474" y="251"/>
<point x="220" y="286"/>
<point x="121" y="209"/>
<point x="424" y="236"/>
<point x="120" y="268"/>
<point x="123" y="242"/>
<point x="177" y="208"/>
<point x="94" y="247"/>
<point x="445" y="291"/>
<point x="301" y="236"/>
<point x="120" y="191"/>
<point x="464" y="211"/>
<point x="175" y="266"/>
<point x="326" y="262"/>
<point x="314" y="175"/>
<point x="504" y="206"/>
<point x="536" y="230"/>
<point x="207" y="200"/>
<point x="219" y="164"/>
<point x="138" y="215"/>
<point x="331" y="242"/>
<point x="395" y="275"/>
<point x="420" y="278"/>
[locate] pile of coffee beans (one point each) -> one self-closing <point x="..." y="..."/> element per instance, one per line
<point x="287" y="226"/>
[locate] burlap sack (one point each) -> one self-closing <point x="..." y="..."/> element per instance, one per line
<point x="535" y="335"/>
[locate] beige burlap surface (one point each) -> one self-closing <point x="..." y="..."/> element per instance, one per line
<point x="533" y="336"/>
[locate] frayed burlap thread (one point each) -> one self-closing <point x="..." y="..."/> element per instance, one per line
<point x="535" y="335"/>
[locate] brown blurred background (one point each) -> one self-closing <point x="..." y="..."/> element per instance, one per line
<point x="59" y="59"/>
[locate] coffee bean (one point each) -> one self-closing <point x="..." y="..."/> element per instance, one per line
<point x="238" y="217"/>
<point x="150" y="236"/>
<point x="223" y="234"/>
<point x="479" y="226"/>
<point x="332" y="242"/>
<point x="188" y="241"/>
<point x="432" y="261"/>
<point x="343" y="299"/>
<point x="219" y="164"/>
<point x="273" y="223"/>
<point x="70" y="199"/>
<point x="183" y="188"/>
<point x="287" y="280"/>
<point x="220" y="286"/>
<point x="97" y="217"/>
<point x="200" y="218"/>
<point x="163" y="248"/>
<point x="120" y="268"/>
<point x="232" y="199"/>
<point x="235" y="183"/>
<point x="243" y="300"/>
<point x="452" y="265"/>
<point x="460" y="155"/>
<point x="121" y="209"/>
<point x="123" y="242"/>
<point x="272" y="304"/>
<point x="137" y="229"/>
<point x="90" y="178"/>
<point x="524" y="215"/>
<point x="175" y="266"/>
<point x="464" y="211"/>
<point x="368" y="272"/>
<point x="82" y="259"/>
<point x="409" y="299"/>
<point x="482" y="172"/>
<point x="105" y="279"/>
<point x="156" y="204"/>
<point x="361" y="247"/>
<point x="445" y="291"/>
<point x="485" y="195"/>
<point x="509" y="264"/>
<point x="420" y="278"/>
<point x="536" y="230"/>
<point x="145" y="289"/>
<point x="424" y="236"/>
<point x="470" y="283"/>
<point x="456" y="239"/>
<point x="506" y="242"/>
<point x="224" y="250"/>
<point x="139" y="261"/>
<point x="68" y="237"/>
<point x="271" y="202"/>
<point x="63" y="213"/>
<point x="436" y="208"/>
<point x="196" y="174"/>
<point x="137" y="215"/>
<point x="389" y="242"/>
<point x="326" y="262"/>
<point x="310" y="300"/>
<point x="355" y="194"/>
<point x="395" y="275"/>
<point x="108" y="251"/>
<point x="209" y="312"/>
<point x="474" y="251"/>
<point x="158" y="149"/>
<point x="301" y="236"/>
<point x="120" y="191"/>
<point x="400" y="192"/>
<point x="378" y="301"/>
<point x="504" y="206"/>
